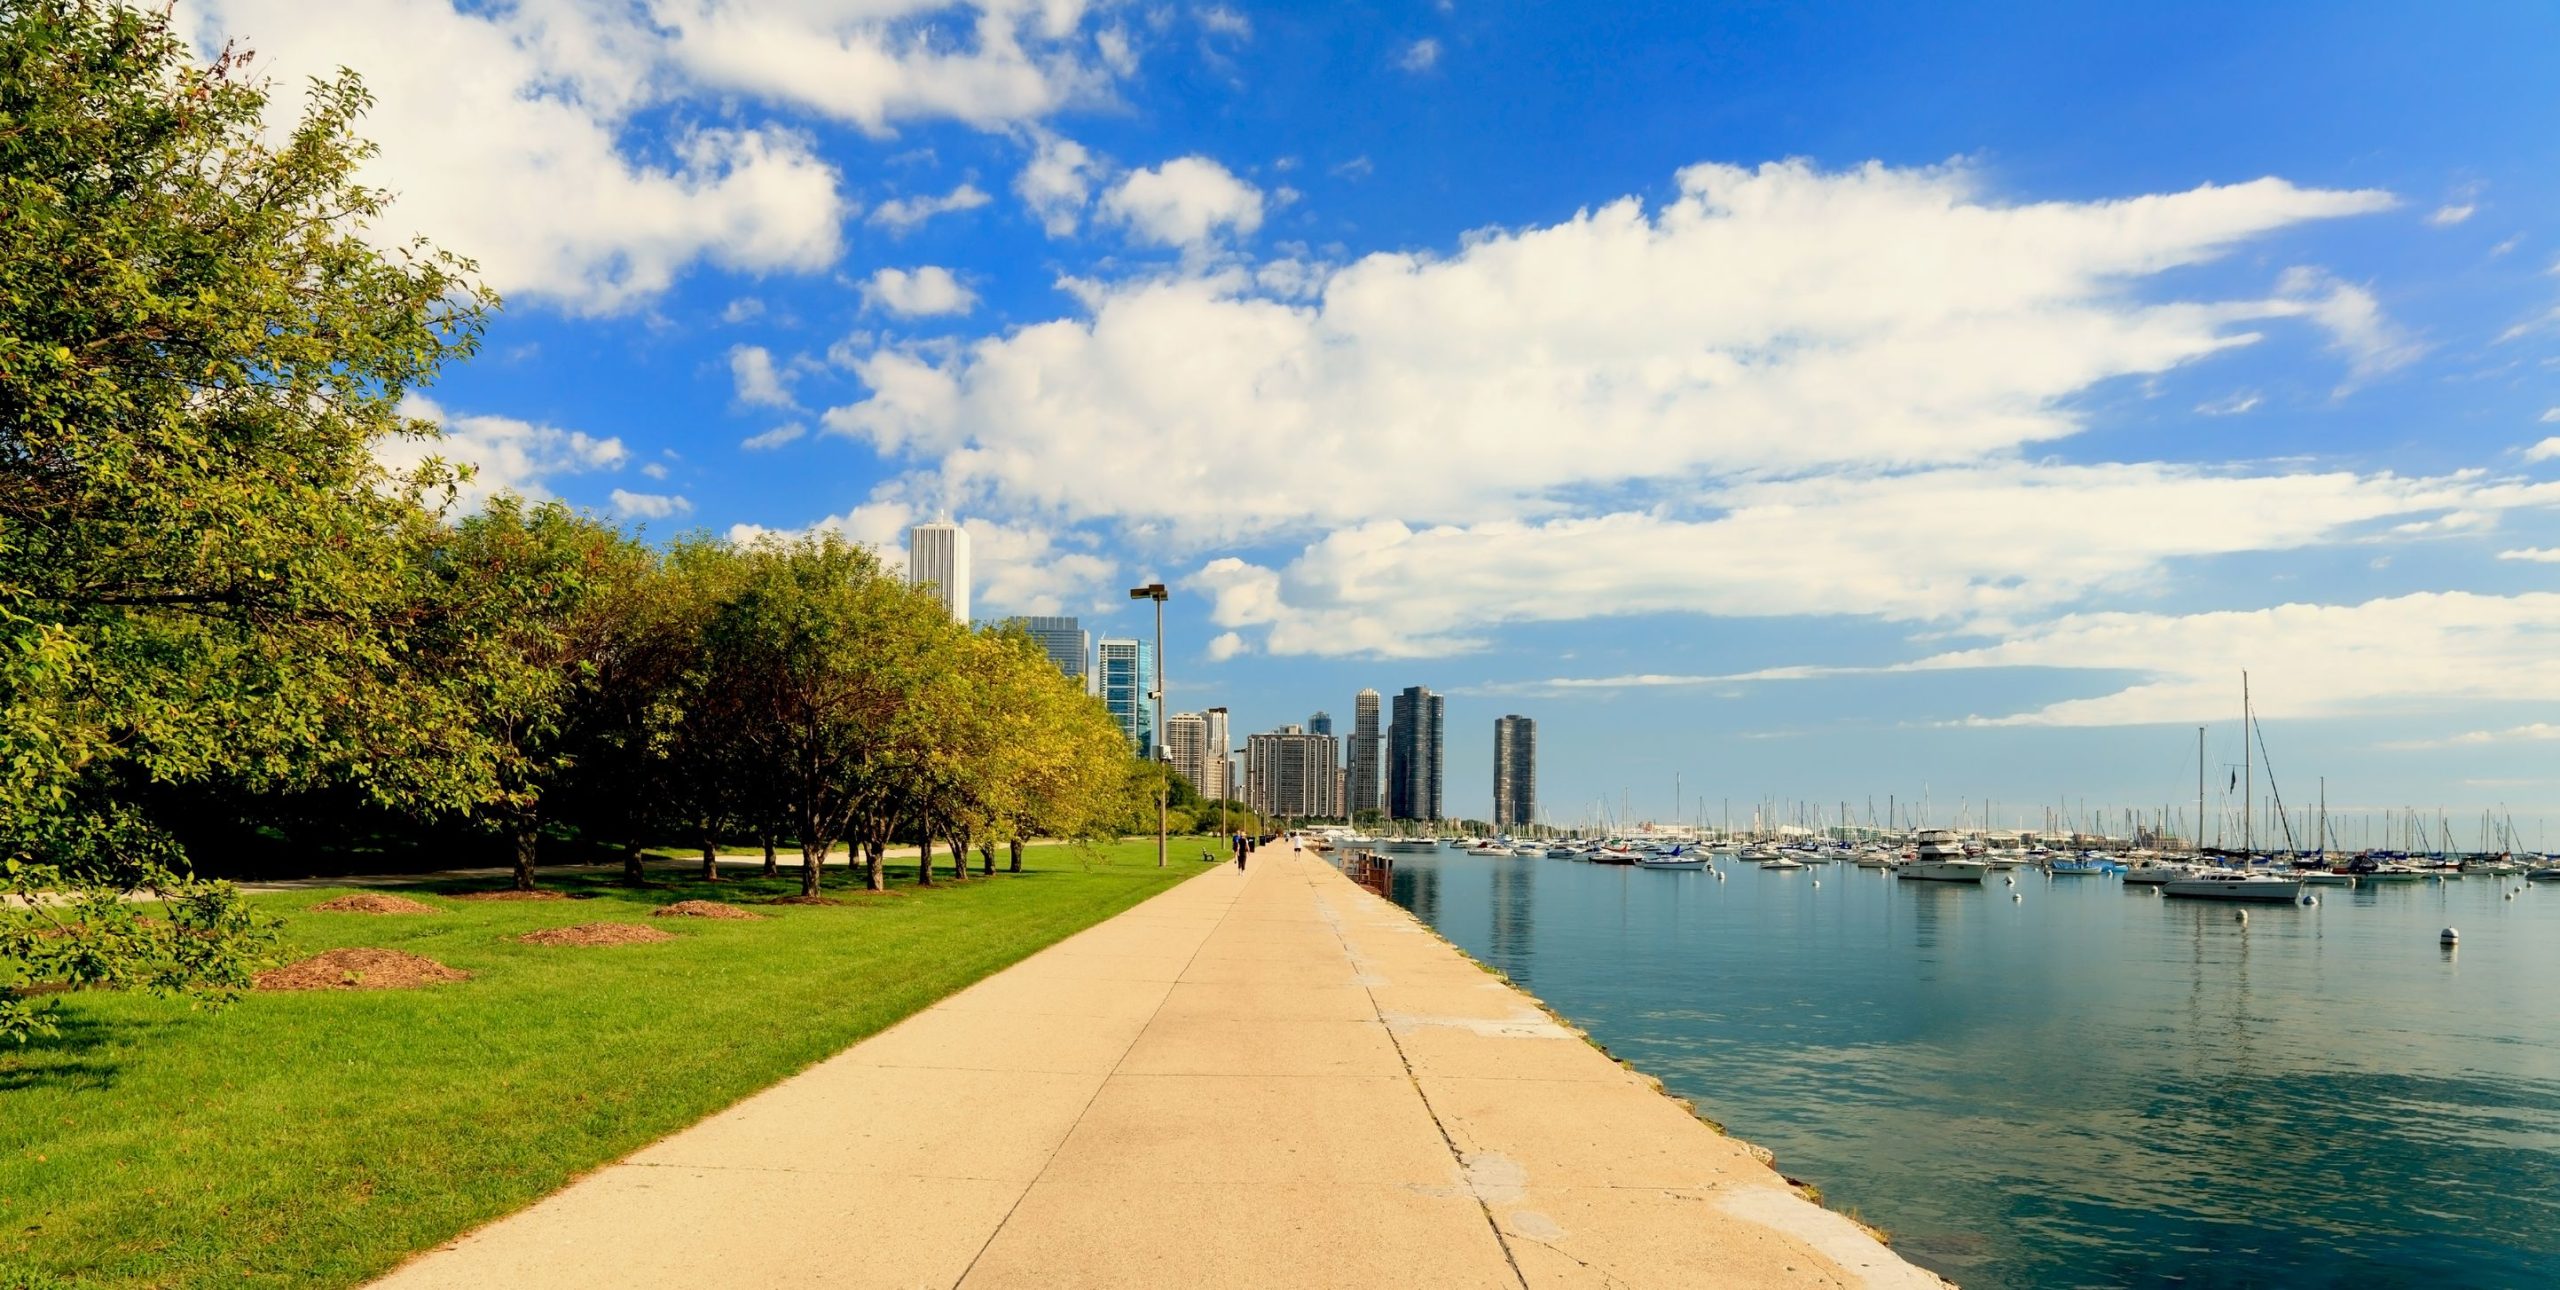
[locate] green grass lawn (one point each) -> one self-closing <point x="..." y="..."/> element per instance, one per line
<point x="315" y="1139"/>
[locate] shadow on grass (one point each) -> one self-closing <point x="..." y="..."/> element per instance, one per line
<point x="70" y="1058"/>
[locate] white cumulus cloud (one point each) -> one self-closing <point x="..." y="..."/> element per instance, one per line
<point x="1420" y="56"/>
<point x="1188" y="202"/>
<point x="759" y="380"/>
<point x="506" y="129"/>
<point x="930" y="291"/>
<point x="1057" y="182"/>
<point x="504" y="454"/>
<point x="648" y="506"/>
<point x="1775" y="319"/>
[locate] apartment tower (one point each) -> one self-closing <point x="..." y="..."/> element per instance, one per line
<point x="1515" y="772"/>
<point x="1413" y="755"/>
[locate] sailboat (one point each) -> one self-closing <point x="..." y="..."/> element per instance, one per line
<point x="2239" y="884"/>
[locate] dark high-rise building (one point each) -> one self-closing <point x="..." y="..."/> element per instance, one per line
<point x="1362" y="776"/>
<point x="1515" y="771"/>
<point x="1065" y="642"/>
<point x="1321" y="723"/>
<point x="1291" y="774"/>
<point x="1413" y="755"/>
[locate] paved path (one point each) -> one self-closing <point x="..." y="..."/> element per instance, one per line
<point x="1269" y="1079"/>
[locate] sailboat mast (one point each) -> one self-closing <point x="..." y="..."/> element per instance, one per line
<point x="2199" y="847"/>
<point x="2248" y="775"/>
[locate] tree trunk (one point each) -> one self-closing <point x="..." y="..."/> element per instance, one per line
<point x="772" y="867"/>
<point x="710" y="860"/>
<point x="1014" y="847"/>
<point x="521" y="838"/>
<point x="924" y="858"/>
<point x="875" y="876"/>
<point x="813" y="849"/>
<point x="632" y="875"/>
<point x="959" y="859"/>
<point x="986" y="859"/>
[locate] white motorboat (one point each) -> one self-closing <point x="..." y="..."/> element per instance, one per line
<point x="2232" y="884"/>
<point x="1940" y="857"/>
<point x="1675" y="860"/>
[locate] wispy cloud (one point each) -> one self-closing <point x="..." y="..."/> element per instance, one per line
<point x="903" y="214"/>
<point x="2534" y="732"/>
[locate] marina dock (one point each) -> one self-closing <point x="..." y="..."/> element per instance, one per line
<point x="1268" y="1078"/>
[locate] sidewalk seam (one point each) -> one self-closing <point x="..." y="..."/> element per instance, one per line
<point x="1333" y="920"/>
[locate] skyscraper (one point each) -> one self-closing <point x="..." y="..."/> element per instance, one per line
<point x="1413" y="755"/>
<point x="1291" y="773"/>
<point x="1122" y="669"/>
<point x="939" y="554"/>
<point x="1515" y="771"/>
<point x="1321" y="723"/>
<point x="1220" y="767"/>
<point x="1362" y="779"/>
<point x="1067" y="643"/>
<point x="1187" y="747"/>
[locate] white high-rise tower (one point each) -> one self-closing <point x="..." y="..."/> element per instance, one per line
<point x="939" y="554"/>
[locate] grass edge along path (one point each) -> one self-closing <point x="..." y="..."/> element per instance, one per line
<point x="319" y="1138"/>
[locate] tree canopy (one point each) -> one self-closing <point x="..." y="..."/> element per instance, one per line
<point x="209" y="581"/>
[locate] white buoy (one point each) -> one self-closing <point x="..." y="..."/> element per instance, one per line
<point x="1817" y="882"/>
<point x="2310" y="899"/>
<point x="2239" y="915"/>
<point x="2012" y="880"/>
<point x="2449" y="935"/>
<point x="2511" y="895"/>
<point x="2015" y="896"/>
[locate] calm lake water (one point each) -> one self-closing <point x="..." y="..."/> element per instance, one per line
<point x="2091" y="1085"/>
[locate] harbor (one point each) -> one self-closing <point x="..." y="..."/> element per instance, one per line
<point x="2054" y="1074"/>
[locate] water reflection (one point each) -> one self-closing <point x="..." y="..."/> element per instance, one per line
<point x="2086" y="1086"/>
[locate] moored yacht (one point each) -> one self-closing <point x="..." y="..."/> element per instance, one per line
<point x="2233" y="884"/>
<point x="1939" y="857"/>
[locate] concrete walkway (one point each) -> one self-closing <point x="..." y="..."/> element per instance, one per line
<point x="1268" y="1079"/>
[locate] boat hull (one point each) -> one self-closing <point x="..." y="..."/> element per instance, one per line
<point x="2273" y="891"/>
<point x="1943" y="870"/>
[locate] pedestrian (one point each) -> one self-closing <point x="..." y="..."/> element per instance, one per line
<point x="1240" y="850"/>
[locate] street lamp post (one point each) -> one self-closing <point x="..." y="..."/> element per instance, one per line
<point x="1155" y="591"/>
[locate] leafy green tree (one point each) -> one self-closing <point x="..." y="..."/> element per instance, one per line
<point x="203" y="569"/>
<point x="828" y="655"/>
<point x="510" y="599"/>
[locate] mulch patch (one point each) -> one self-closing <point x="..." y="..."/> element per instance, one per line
<point x="512" y="894"/>
<point x="369" y="903"/>
<point x="701" y="909"/>
<point x="596" y="934"/>
<point x="359" y="969"/>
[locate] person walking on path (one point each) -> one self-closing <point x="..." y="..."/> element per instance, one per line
<point x="1240" y="850"/>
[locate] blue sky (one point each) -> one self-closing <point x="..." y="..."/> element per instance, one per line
<point x="1805" y="402"/>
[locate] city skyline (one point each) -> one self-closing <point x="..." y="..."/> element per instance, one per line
<point x="1831" y="415"/>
